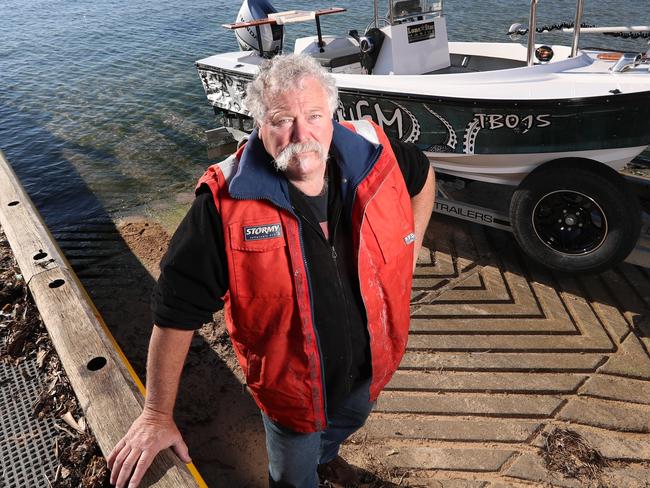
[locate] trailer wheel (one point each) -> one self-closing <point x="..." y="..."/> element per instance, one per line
<point x="575" y="216"/>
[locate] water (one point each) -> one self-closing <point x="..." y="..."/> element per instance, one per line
<point x="101" y="110"/>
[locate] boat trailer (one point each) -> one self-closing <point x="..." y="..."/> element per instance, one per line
<point x="487" y="204"/>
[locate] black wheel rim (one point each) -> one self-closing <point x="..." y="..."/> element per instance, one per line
<point x="570" y="222"/>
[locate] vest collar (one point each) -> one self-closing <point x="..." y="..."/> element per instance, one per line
<point x="256" y="178"/>
<point x="356" y="156"/>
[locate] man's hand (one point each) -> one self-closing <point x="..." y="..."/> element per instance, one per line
<point x="149" y="434"/>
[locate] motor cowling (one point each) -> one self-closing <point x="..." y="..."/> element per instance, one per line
<point x="271" y="35"/>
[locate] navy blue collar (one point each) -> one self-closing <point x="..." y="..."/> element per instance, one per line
<point x="256" y="177"/>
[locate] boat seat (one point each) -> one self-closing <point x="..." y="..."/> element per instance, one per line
<point x="336" y="55"/>
<point x="334" y="62"/>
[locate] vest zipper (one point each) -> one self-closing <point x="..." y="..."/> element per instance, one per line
<point x="313" y="322"/>
<point x="348" y="330"/>
<point x="348" y="338"/>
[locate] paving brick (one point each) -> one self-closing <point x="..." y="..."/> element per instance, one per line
<point x="547" y="294"/>
<point x="623" y="296"/>
<point x="605" y="308"/>
<point x="637" y="476"/>
<point x="617" y="388"/>
<point x="401" y="427"/>
<point x="508" y="484"/>
<point x="466" y="254"/>
<point x="612" y="445"/>
<point x="482" y="319"/>
<point x="630" y="359"/>
<point x="487" y="284"/>
<point x="457" y="459"/>
<point x="446" y="483"/>
<point x="486" y="381"/>
<point x="459" y="361"/>
<point x="579" y="307"/>
<point x="438" y="282"/>
<point x="505" y="342"/>
<point x="639" y="281"/>
<point x="531" y="467"/>
<point x="531" y="406"/>
<point x="517" y="298"/>
<point x="607" y="415"/>
<point x="474" y="282"/>
<point x="425" y="257"/>
<point x="443" y="264"/>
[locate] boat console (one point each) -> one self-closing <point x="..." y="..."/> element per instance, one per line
<point x="410" y="40"/>
<point x="415" y="39"/>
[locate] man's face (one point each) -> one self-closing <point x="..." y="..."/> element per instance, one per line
<point x="297" y="131"/>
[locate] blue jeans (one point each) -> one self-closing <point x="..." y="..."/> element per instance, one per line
<point x="294" y="456"/>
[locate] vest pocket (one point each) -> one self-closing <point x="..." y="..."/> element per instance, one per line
<point x="392" y="231"/>
<point x="259" y="260"/>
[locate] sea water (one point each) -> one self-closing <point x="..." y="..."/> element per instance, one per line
<point x="101" y="109"/>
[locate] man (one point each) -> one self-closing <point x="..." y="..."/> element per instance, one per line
<point x="308" y="237"/>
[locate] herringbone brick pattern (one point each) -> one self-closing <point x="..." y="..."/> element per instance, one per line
<point x="501" y="351"/>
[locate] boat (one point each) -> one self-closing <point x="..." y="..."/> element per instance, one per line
<point x="554" y="122"/>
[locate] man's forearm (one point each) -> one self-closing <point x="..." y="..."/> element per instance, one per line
<point x="422" y="205"/>
<point x="167" y="352"/>
<point x="154" y="430"/>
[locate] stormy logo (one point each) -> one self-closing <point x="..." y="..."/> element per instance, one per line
<point x="257" y="232"/>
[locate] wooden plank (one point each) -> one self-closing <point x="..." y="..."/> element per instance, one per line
<point x="108" y="390"/>
<point x="33" y="246"/>
<point x="109" y="401"/>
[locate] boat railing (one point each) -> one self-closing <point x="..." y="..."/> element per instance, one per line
<point x="532" y="25"/>
<point x="576" y="27"/>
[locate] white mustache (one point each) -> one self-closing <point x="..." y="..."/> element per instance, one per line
<point x="293" y="149"/>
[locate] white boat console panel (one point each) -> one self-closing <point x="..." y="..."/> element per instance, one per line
<point x="414" y="48"/>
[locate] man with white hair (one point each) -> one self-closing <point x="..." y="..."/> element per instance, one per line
<point x="308" y="236"/>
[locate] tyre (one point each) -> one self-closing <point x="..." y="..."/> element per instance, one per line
<point x="575" y="216"/>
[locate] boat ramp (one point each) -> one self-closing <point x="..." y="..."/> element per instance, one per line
<point x="504" y="359"/>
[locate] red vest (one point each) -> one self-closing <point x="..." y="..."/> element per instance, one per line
<point x="268" y="308"/>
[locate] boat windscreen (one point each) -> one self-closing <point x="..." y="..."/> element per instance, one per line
<point x="401" y="10"/>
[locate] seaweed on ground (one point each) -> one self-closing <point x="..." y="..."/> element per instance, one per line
<point x="567" y="453"/>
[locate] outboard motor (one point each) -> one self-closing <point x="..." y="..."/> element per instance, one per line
<point x="271" y="35"/>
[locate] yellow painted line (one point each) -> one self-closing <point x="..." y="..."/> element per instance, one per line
<point x="197" y="476"/>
